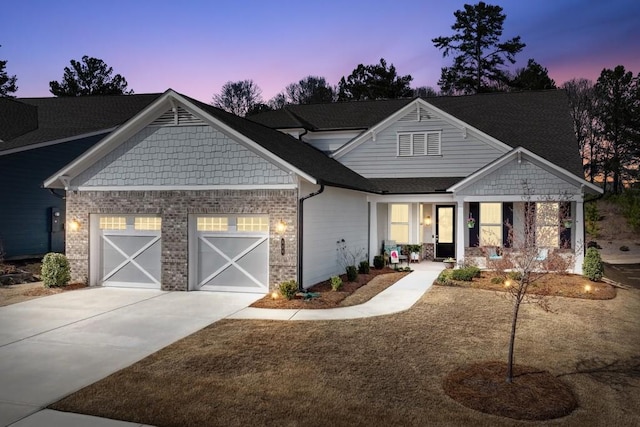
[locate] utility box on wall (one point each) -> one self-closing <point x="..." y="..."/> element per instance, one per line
<point x="56" y="230"/>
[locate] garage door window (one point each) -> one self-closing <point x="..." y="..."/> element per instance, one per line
<point x="213" y="223"/>
<point x="253" y="223"/>
<point x="147" y="223"/>
<point x="113" y="223"/>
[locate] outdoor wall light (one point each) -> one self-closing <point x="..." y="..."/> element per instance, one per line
<point x="281" y="227"/>
<point x="427" y="220"/>
<point x="74" y="225"/>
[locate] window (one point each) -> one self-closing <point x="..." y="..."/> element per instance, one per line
<point x="419" y="144"/>
<point x="547" y="217"/>
<point x="212" y="223"/>
<point x="490" y="224"/>
<point x="113" y="223"/>
<point x="253" y="223"/>
<point x="399" y="224"/>
<point x="147" y="223"/>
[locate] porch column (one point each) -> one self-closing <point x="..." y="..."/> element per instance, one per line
<point x="578" y="241"/>
<point x="460" y="230"/>
<point x="373" y="231"/>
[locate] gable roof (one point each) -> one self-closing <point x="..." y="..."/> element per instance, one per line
<point x="16" y="118"/>
<point x="283" y="149"/>
<point x="539" y="121"/>
<point x="50" y="120"/>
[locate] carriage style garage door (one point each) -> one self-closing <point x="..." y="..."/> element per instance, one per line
<point x="229" y="253"/>
<point x="126" y="251"/>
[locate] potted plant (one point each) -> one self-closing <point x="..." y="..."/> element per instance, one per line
<point x="471" y="222"/>
<point x="449" y="262"/>
<point x="414" y="252"/>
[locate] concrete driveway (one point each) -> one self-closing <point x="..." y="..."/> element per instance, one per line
<point x="53" y="346"/>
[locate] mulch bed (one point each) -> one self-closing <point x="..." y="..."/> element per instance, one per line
<point x="533" y="394"/>
<point x="327" y="298"/>
<point x="42" y="291"/>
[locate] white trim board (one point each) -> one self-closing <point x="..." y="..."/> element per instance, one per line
<point x="190" y="187"/>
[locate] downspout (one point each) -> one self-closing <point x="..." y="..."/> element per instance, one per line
<point x="301" y="230"/>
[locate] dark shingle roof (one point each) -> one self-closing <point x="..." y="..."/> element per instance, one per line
<point x="66" y="117"/>
<point x="539" y="121"/>
<point x="339" y="115"/>
<point x="414" y="185"/>
<point x="301" y="155"/>
<point x="16" y="118"/>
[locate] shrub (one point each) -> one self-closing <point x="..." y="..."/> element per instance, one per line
<point x="515" y="275"/>
<point x="465" y="274"/>
<point x="592" y="267"/>
<point x="352" y="273"/>
<point x="378" y="262"/>
<point x="336" y="283"/>
<point x="497" y="280"/>
<point x="364" y="267"/>
<point x="444" y="278"/>
<point x="288" y="289"/>
<point x="55" y="270"/>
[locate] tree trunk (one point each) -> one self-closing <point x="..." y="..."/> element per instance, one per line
<point x="512" y="339"/>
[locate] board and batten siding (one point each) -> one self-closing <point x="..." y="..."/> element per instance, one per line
<point x="460" y="156"/>
<point x="333" y="215"/>
<point x="181" y="155"/>
<point x="24" y="211"/>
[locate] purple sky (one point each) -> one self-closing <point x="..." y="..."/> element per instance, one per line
<point x="195" y="46"/>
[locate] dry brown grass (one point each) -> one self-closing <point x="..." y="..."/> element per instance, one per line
<point x="12" y="294"/>
<point x="379" y="371"/>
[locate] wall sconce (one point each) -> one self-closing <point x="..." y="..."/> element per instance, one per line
<point x="427" y="220"/>
<point x="281" y="227"/>
<point x="74" y="225"/>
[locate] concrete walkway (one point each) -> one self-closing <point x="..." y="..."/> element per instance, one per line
<point x="51" y="347"/>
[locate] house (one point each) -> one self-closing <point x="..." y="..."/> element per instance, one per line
<point x="38" y="136"/>
<point x="184" y="196"/>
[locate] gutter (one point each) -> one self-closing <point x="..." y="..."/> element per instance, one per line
<point x="301" y="232"/>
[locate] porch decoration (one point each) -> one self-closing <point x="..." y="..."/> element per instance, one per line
<point x="471" y="222"/>
<point x="449" y="262"/>
<point x="568" y="222"/>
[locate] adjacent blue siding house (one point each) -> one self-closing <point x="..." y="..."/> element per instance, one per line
<point x="39" y="136"/>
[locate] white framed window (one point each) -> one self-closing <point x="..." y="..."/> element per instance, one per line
<point x="399" y="223"/>
<point x="252" y="223"/>
<point x="490" y="224"/>
<point x="212" y="223"/>
<point x="147" y="223"/>
<point x="419" y="144"/>
<point x="547" y="217"/>
<point x="113" y="223"/>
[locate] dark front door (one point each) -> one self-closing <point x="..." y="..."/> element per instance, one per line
<point x="445" y="232"/>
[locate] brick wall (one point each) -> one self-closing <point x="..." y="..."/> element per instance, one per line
<point x="174" y="207"/>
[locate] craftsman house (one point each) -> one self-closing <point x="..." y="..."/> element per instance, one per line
<point x="184" y="196"/>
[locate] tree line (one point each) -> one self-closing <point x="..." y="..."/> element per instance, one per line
<point x="606" y="114"/>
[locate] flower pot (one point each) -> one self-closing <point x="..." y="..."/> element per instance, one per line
<point x="471" y="224"/>
<point x="449" y="264"/>
<point x="568" y="223"/>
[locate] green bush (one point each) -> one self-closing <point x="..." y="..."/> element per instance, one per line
<point x="364" y="267"/>
<point x="444" y="278"/>
<point x="336" y="283"/>
<point x="352" y="273"/>
<point x="465" y="274"/>
<point x="514" y="275"/>
<point x="497" y="280"/>
<point x="378" y="262"/>
<point x="288" y="289"/>
<point x="592" y="267"/>
<point x="55" y="270"/>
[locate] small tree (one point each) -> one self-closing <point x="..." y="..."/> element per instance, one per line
<point x="91" y="76"/>
<point x="528" y="257"/>
<point x="7" y="82"/>
<point x="238" y="97"/>
<point x="376" y="81"/>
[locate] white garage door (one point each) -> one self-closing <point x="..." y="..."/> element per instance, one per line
<point x="229" y="253"/>
<point x="126" y="251"/>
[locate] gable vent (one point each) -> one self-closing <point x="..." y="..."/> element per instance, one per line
<point x="411" y="117"/>
<point x="425" y="115"/>
<point x="177" y="116"/>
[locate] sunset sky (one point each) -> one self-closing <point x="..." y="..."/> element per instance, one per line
<point x="195" y="46"/>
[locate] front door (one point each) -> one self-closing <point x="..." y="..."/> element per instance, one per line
<point x="445" y="232"/>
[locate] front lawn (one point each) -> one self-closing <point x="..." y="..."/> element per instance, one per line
<point x="385" y="370"/>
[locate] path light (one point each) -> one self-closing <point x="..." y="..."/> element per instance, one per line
<point x="507" y="283"/>
<point x="274" y="295"/>
<point x="587" y="288"/>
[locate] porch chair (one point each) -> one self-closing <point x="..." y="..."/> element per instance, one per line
<point x="390" y="245"/>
